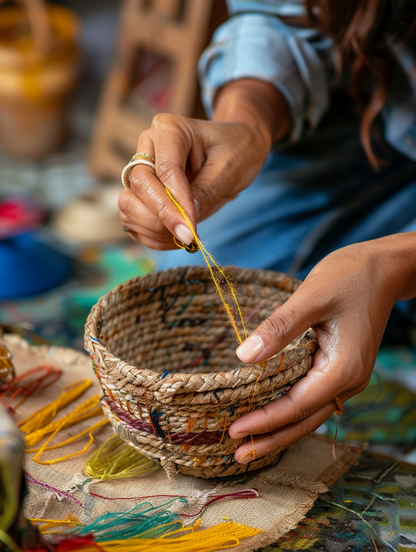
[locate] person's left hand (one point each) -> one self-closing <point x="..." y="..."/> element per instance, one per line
<point x="347" y="299"/>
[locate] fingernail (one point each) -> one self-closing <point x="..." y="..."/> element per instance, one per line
<point x="250" y="349"/>
<point x="125" y="229"/>
<point x="183" y="233"/>
<point x="197" y="206"/>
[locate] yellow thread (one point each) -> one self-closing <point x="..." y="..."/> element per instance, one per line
<point x="211" y="262"/>
<point x="44" y="415"/>
<point x="280" y="365"/>
<point x="88" y="409"/>
<point x="48" y="523"/>
<point x="252" y="451"/>
<point x="223" y="535"/>
<point x="223" y="430"/>
<point x="67" y="442"/>
<point x="116" y="459"/>
<point x="340" y="406"/>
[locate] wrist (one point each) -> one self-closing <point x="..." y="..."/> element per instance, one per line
<point x="396" y="259"/>
<point x="258" y="106"/>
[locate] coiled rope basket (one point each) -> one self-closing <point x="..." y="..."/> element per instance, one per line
<point x="172" y="384"/>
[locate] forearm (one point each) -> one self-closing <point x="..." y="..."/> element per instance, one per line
<point x="256" y="104"/>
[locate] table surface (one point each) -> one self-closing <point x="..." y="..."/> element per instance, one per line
<point x="372" y="507"/>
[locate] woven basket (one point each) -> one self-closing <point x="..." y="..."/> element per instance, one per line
<point x="165" y="356"/>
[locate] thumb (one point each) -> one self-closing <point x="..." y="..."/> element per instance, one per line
<point x="286" y="323"/>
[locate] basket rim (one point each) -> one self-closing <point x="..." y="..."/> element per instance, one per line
<point x="185" y="382"/>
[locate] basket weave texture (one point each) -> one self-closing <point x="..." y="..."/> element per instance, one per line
<point x="164" y="354"/>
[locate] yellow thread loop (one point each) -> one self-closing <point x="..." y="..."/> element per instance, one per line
<point x="44" y="447"/>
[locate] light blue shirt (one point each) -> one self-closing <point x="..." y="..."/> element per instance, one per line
<point x="256" y="43"/>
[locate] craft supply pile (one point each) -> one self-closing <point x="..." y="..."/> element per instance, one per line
<point x="86" y="485"/>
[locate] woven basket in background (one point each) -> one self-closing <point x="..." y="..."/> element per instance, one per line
<point x="172" y="384"/>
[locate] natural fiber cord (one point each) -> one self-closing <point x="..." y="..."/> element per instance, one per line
<point x="165" y="357"/>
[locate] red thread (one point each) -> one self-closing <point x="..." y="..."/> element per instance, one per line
<point x="247" y="493"/>
<point x="45" y="376"/>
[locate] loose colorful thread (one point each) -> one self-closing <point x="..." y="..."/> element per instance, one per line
<point x="224" y="535"/>
<point x="115" y="459"/>
<point x="247" y="493"/>
<point x="39" y="451"/>
<point x="138" y="520"/>
<point x="52" y="489"/>
<point x="44" y="415"/>
<point x="225" y="279"/>
<point x="38" y="378"/>
<point x="88" y="409"/>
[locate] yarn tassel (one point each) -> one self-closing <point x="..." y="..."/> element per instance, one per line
<point x="115" y="459"/>
<point x="44" y="415"/>
<point x="88" y="409"/>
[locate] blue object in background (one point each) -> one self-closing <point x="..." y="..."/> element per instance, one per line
<point x="28" y="266"/>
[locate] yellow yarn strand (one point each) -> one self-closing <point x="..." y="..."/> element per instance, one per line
<point x="49" y="523"/>
<point x="88" y="409"/>
<point x="116" y="459"/>
<point x="44" y="415"/>
<point x="210" y="261"/>
<point x="44" y="447"/>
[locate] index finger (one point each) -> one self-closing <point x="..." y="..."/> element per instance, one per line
<point x="149" y="187"/>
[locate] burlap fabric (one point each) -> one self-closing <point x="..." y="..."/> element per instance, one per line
<point x="286" y="491"/>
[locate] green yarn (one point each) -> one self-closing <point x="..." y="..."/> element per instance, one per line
<point x="141" y="519"/>
<point x="116" y="459"/>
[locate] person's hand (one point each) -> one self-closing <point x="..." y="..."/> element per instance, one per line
<point x="347" y="299"/>
<point x="203" y="164"/>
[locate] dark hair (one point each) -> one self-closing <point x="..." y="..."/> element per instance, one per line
<point x="362" y="31"/>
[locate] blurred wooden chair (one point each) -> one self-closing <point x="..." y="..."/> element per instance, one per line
<point x="159" y="43"/>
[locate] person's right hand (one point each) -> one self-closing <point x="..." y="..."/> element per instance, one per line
<point x="204" y="164"/>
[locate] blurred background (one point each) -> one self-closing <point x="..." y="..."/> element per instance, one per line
<point x="79" y="81"/>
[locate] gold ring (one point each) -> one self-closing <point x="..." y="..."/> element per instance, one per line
<point x="125" y="175"/>
<point x="142" y="155"/>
